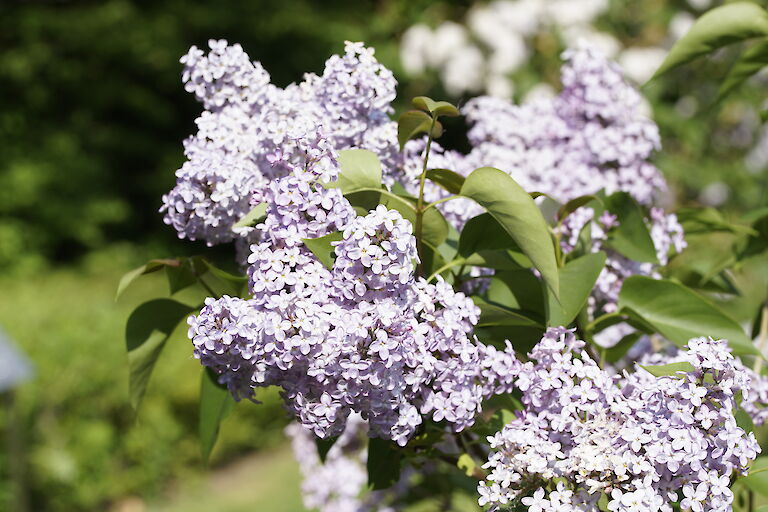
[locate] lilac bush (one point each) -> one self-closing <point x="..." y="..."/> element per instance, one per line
<point x="392" y="288"/>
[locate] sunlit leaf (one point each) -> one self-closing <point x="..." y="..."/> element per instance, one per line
<point x="719" y="27"/>
<point x="679" y="314"/>
<point x="518" y="214"/>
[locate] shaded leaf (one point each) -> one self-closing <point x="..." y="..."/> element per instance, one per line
<point x="148" y="328"/>
<point x="631" y="237"/>
<point x="716" y="28"/>
<point x="577" y="278"/>
<point x="324" y="446"/>
<point x="413" y="123"/>
<point x="216" y="403"/>
<point x="493" y="315"/>
<point x="449" y="180"/>
<point x="758" y="481"/>
<point x="181" y="276"/>
<point x="383" y="464"/>
<point x="679" y="314"/>
<point x="322" y="247"/>
<point x="751" y="61"/>
<point x="147" y="268"/>
<point x="518" y="214"/>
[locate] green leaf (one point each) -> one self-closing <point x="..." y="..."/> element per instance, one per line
<point x="253" y="217"/>
<point x="436" y="108"/>
<point x="577" y="278"/>
<point x="518" y="214"/>
<point x="360" y="169"/>
<point x="744" y="420"/>
<point x="449" y="180"/>
<point x="148" y="268"/>
<point x="621" y="348"/>
<point x="632" y="237"/>
<point x="757" y="479"/>
<point x="518" y="289"/>
<point x="719" y="27"/>
<point x="483" y="233"/>
<point x="498" y="259"/>
<point x="751" y="61"/>
<point x="181" y="276"/>
<point x="383" y="464"/>
<point x="669" y="370"/>
<point x="148" y="328"/>
<point x="324" y="446"/>
<point x="215" y="404"/>
<point x="679" y="314"/>
<point x="322" y="247"/>
<point x="493" y="315"/>
<point x="222" y="282"/>
<point x="467" y="464"/>
<point x="413" y="123"/>
<point x="434" y="227"/>
<point x="574" y="204"/>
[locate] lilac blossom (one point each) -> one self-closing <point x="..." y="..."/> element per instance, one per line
<point x="364" y="336"/>
<point x="642" y="441"/>
<point x="591" y="137"/>
<point x="252" y="132"/>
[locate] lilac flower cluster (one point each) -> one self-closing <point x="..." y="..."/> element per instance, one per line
<point x="338" y="483"/>
<point x="365" y="336"/>
<point x="591" y="137"/>
<point x="643" y="442"/>
<point x="253" y="132"/>
<point x="667" y="236"/>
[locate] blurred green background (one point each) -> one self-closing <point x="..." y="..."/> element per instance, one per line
<point x="92" y="115"/>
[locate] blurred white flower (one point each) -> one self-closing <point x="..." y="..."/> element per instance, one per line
<point x="715" y="194"/>
<point x="463" y="71"/>
<point x="499" y="86"/>
<point x="540" y="91"/>
<point x="448" y="39"/>
<point x="680" y="24"/>
<point x="639" y="64"/>
<point x="700" y="4"/>
<point x="584" y="34"/>
<point x="413" y="48"/>
<point x="575" y="12"/>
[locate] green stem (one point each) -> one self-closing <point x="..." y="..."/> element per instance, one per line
<point x="445" y="267"/>
<point x="591" y="326"/>
<point x="762" y="339"/>
<point x="420" y="204"/>
<point x="435" y="203"/>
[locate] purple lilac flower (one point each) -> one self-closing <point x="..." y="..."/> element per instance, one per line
<point x="252" y="132"/>
<point x="363" y="337"/>
<point x="591" y="137"/>
<point x="339" y="483"/>
<point x="642" y="441"/>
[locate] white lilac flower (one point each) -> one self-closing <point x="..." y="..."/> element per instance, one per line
<point x="636" y="438"/>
